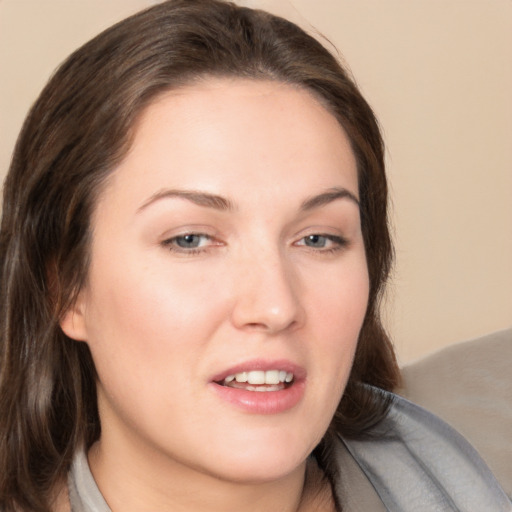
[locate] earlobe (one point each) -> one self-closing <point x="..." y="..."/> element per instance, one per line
<point x="73" y="322"/>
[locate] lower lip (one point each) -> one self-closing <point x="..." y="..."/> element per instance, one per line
<point x="261" y="402"/>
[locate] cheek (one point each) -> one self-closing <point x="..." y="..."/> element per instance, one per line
<point x="152" y="320"/>
<point x="146" y="334"/>
<point x="338" y="310"/>
<point x="337" y="307"/>
<point x="341" y="298"/>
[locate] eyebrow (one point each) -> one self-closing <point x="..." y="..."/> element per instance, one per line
<point x="197" y="197"/>
<point x="327" y="197"/>
<point x="222" y="204"/>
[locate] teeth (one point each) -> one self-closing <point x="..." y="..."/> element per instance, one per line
<point x="256" y="377"/>
<point x="272" y="377"/>
<point x="263" y="388"/>
<point x="261" y="377"/>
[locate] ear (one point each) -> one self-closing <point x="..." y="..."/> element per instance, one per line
<point x="73" y="322"/>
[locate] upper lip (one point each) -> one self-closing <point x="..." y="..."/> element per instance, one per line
<point x="299" y="373"/>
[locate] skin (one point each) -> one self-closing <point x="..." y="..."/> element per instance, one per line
<point x="161" y="320"/>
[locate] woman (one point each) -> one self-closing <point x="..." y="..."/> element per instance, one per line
<point x="194" y="241"/>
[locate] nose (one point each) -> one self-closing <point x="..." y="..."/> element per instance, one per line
<point x="267" y="293"/>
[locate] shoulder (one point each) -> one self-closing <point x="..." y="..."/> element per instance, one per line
<point x="416" y="462"/>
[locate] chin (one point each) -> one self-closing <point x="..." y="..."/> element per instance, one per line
<point x="260" y="471"/>
<point x="255" y="459"/>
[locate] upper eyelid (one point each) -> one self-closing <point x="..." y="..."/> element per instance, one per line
<point x="188" y="233"/>
<point x="297" y="237"/>
<point x="330" y="231"/>
<point x="333" y="238"/>
<point x="199" y="230"/>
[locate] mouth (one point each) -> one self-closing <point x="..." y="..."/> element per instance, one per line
<point x="261" y="386"/>
<point x="259" y="380"/>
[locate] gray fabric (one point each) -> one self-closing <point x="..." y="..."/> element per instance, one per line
<point x="469" y="385"/>
<point x="418" y="463"/>
<point x="84" y="495"/>
<point x="354" y="491"/>
<point x="413" y="462"/>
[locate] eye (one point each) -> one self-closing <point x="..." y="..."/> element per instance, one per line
<point x="317" y="241"/>
<point x="189" y="243"/>
<point x="322" y="242"/>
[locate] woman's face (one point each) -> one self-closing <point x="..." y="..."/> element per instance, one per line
<point x="228" y="282"/>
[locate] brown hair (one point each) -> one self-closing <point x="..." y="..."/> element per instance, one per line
<point x="79" y="129"/>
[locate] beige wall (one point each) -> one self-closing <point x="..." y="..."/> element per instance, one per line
<point x="439" y="75"/>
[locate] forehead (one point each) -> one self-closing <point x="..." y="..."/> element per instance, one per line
<point x="231" y="135"/>
<point x="224" y="102"/>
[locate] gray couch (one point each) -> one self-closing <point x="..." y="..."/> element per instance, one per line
<point x="469" y="385"/>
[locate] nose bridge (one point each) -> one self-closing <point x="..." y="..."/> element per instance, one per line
<point x="267" y="296"/>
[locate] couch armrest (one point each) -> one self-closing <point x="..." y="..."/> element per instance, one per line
<point x="469" y="385"/>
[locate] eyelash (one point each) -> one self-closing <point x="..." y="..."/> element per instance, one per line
<point x="338" y="243"/>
